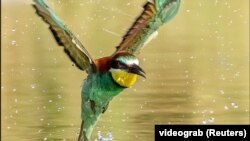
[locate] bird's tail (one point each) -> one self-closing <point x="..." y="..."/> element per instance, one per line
<point x="86" y="130"/>
<point x="89" y="119"/>
<point x="82" y="134"/>
<point x="85" y="133"/>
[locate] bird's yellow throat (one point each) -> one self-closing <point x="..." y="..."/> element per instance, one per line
<point x="124" y="79"/>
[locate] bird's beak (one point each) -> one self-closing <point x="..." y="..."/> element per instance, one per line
<point x="137" y="70"/>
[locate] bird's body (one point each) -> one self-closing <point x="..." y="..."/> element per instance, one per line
<point x="94" y="101"/>
<point x="110" y="75"/>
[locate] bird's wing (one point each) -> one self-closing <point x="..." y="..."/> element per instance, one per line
<point x="64" y="37"/>
<point x="155" y="14"/>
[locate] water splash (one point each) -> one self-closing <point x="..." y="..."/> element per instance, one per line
<point x="109" y="137"/>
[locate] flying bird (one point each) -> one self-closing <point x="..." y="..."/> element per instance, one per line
<point x="110" y="75"/>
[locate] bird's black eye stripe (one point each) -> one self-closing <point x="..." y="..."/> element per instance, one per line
<point x="118" y="65"/>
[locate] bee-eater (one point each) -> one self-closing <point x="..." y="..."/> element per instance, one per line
<point x="110" y="75"/>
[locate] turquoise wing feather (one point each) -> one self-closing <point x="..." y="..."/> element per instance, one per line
<point x="155" y="14"/>
<point x="64" y="37"/>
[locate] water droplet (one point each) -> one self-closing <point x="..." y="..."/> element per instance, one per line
<point x="211" y="119"/>
<point x="225" y="107"/>
<point x="33" y="86"/>
<point x="222" y="92"/>
<point x="234" y="105"/>
<point x="141" y="106"/>
<point x="204" y="122"/>
<point x="45" y="139"/>
<point x="59" y="96"/>
<point x="14" y="90"/>
<point x="237" y="73"/>
<point x="13" y="42"/>
<point x="204" y="111"/>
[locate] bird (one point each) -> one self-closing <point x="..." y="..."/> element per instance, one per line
<point x="108" y="76"/>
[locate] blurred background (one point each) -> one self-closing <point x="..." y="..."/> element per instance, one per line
<point x="197" y="69"/>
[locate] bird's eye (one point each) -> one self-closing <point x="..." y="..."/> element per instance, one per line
<point x="118" y="65"/>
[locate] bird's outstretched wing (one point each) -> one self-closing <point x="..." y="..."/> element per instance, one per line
<point x="155" y="14"/>
<point x="64" y="37"/>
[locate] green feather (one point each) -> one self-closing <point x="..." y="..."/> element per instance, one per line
<point x="99" y="88"/>
<point x="166" y="9"/>
<point x="43" y="7"/>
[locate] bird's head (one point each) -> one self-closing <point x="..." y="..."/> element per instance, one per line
<point x="125" y="69"/>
